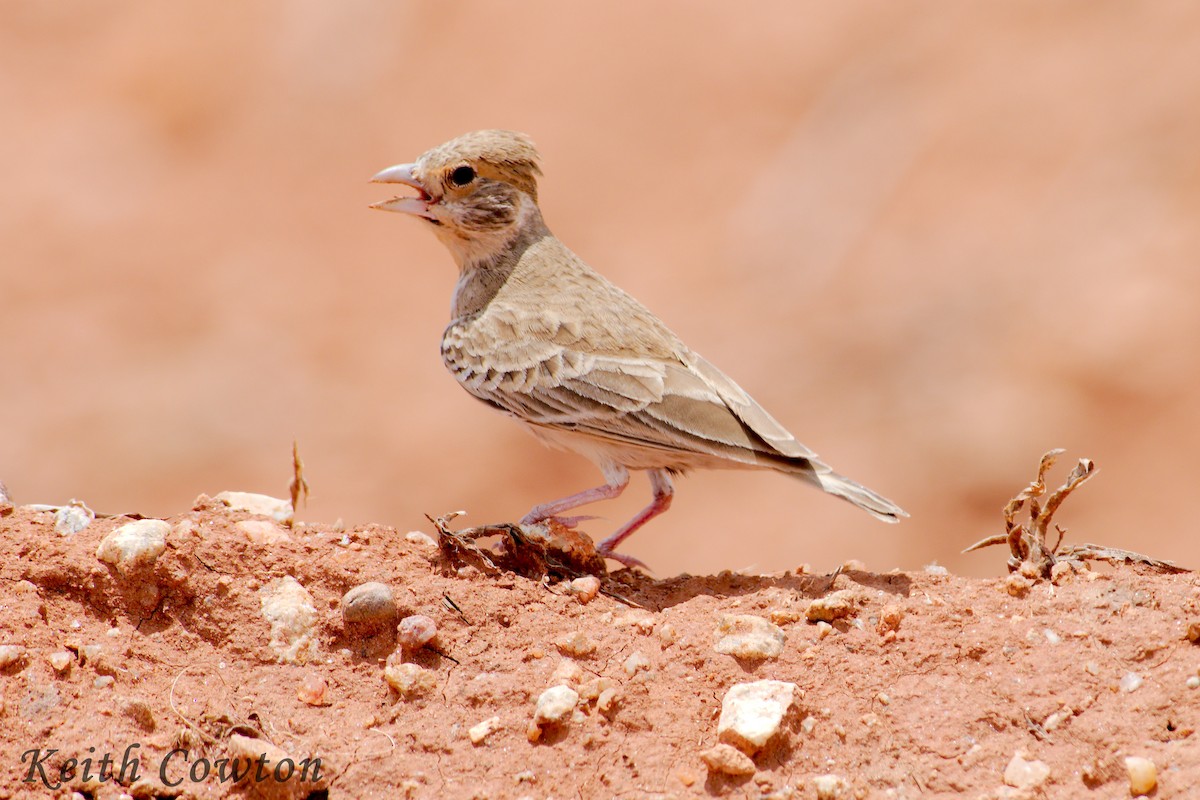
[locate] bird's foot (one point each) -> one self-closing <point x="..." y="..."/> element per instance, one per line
<point x="628" y="560"/>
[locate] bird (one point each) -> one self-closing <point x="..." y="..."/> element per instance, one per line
<point x="539" y="335"/>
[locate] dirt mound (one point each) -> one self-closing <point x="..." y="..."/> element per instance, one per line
<point x="232" y="643"/>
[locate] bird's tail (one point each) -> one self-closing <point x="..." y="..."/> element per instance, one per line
<point x="820" y="475"/>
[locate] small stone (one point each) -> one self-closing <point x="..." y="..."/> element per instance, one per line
<point x="591" y="690"/>
<point x="1017" y="584"/>
<point x="134" y="545"/>
<point x="477" y="733"/>
<point x="312" y="690"/>
<point x="72" y="518"/>
<point x="636" y="662"/>
<point x="1024" y="774"/>
<point x="60" y="660"/>
<point x="263" y="505"/>
<point x="409" y="680"/>
<point x="1051" y="636"/>
<point x="10" y="654"/>
<point x="555" y="705"/>
<point x="1029" y="570"/>
<point x="1130" y="682"/>
<point x="1062" y="572"/>
<point x="936" y="569"/>
<point x="288" y="608"/>
<point x="104" y="681"/>
<point x="567" y="673"/>
<point x="262" y="532"/>
<point x="838" y="605"/>
<point x="420" y="539"/>
<point x="1193" y="632"/>
<point x="1143" y="775"/>
<point x="639" y="619"/>
<point x="666" y="634"/>
<point x="1091" y="668"/>
<point x="416" y="631"/>
<point x="584" y="589"/>
<point x="853" y="565"/>
<point x="750" y="637"/>
<point x="369" y="605"/>
<point x="808" y="725"/>
<point x="889" y="618"/>
<point x="727" y="760"/>
<point x="575" y="644"/>
<point x="751" y="713"/>
<point x="89" y="652"/>
<point x="606" y="703"/>
<point x="1193" y="682"/>
<point x="823" y="630"/>
<point x="831" y="787"/>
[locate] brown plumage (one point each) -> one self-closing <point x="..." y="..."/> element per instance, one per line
<point x="539" y="335"/>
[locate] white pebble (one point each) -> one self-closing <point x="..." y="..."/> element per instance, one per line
<point x="584" y="589"/>
<point x="831" y="607"/>
<point x="575" y="644"/>
<point x="72" y="518"/>
<point x="636" y="662"/>
<point x="567" y="673"/>
<point x="369" y="604"/>
<point x="10" y="654"/>
<point x="1193" y="682"/>
<point x="935" y="568"/>
<point x="831" y="787"/>
<point x="261" y="504"/>
<point x="1024" y="774"/>
<point x="288" y="607"/>
<point x="751" y="713"/>
<point x="555" y="705"/>
<point x="409" y="680"/>
<point x="1143" y="775"/>
<point x="262" y="532"/>
<point x="416" y="631"/>
<point x="478" y="733"/>
<point x="1130" y="682"/>
<point x="750" y="637"/>
<point x="606" y="703"/>
<point x="420" y="539"/>
<point x="1052" y="637"/>
<point x="104" y="681"/>
<point x="134" y="545"/>
<point x="727" y="760"/>
<point x="60" y="660"/>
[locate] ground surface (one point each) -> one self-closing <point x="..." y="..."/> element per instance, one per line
<point x="936" y="708"/>
<point x="932" y="239"/>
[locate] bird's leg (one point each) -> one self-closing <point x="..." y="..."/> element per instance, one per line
<point x="660" y="482"/>
<point x="616" y="477"/>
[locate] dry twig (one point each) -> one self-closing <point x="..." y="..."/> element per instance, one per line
<point x="1027" y="541"/>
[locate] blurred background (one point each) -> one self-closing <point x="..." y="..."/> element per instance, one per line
<point x="933" y="239"/>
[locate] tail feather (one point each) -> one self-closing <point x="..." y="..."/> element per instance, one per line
<point x="822" y="476"/>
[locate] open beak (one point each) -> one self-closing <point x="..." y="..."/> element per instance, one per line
<point x="417" y="206"/>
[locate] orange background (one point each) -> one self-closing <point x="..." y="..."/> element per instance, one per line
<point x="933" y="239"/>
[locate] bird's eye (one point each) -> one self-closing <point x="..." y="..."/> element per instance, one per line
<point x="461" y="176"/>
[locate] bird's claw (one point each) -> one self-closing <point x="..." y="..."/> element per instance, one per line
<point x="628" y="560"/>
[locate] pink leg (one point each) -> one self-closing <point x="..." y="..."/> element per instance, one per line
<point x="618" y="479"/>
<point x="660" y="482"/>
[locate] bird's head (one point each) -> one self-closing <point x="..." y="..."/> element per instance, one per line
<point x="476" y="190"/>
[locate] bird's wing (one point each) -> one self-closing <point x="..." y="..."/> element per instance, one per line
<point x="672" y="401"/>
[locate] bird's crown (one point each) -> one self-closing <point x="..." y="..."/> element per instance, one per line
<point x="503" y="155"/>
